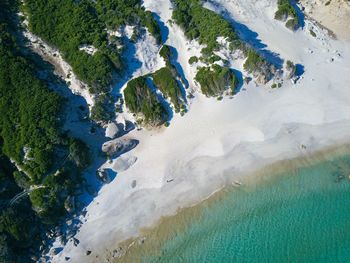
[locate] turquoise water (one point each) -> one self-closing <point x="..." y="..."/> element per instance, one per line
<point x="303" y="216"/>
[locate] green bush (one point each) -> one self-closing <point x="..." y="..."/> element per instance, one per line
<point x="102" y="111"/>
<point x="79" y="153"/>
<point x="151" y="24"/>
<point x="203" y="24"/>
<point x="165" y="81"/>
<point x="253" y="62"/>
<point x="286" y="10"/>
<point x="165" y="52"/>
<point x="215" y="80"/>
<point x="141" y="100"/>
<point x="192" y="60"/>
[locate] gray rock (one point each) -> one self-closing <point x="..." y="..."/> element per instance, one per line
<point x="69" y="204"/>
<point x="75" y="241"/>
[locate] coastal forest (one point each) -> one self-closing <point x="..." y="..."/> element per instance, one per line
<point x="32" y="145"/>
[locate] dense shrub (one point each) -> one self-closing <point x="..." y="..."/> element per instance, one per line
<point x="253" y="62"/>
<point x="165" y="81"/>
<point x="165" y="52"/>
<point x="141" y="100"/>
<point x="67" y="24"/>
<point x="286" y="10"/>
<point x="30" y="134"/>
<point x="215" y="80"/>
<point x="102" y="111"/>
<point x="203" y="24"/>
<point x="192" y="60"/>
<point x="29" y="111"/>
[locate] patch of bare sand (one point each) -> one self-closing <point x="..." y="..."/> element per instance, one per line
<point x="332" y="14"/>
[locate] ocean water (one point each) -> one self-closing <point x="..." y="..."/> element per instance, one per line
<point x="300" y="216"/>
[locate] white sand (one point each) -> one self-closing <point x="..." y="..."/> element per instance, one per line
<point x="217" y="142"/>
<point x="334" y="16"/>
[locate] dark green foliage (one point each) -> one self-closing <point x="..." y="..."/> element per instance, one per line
<point x="29" y="127"/>
<point x="102" y="110"/>
<point x="253" y="62"/>
<point x="165" y="52"/>
<point x="79" y="153"/>
<point x="258" y="66"/>
<point x="192" y="60"/>
<point x="203" y="24"/>
<point x="151" y="24"/>
<point x="213" y="59"/>
<point x="285" y="10"/>
<point x="19" y="226"/>
<point x="215" y="80"/>
<point x="141" y="100"/>
<point x="165" y="81"/>
<point x="116" y="13"/>
<point x="68" y="24"/>
<point x="28" y="110"/>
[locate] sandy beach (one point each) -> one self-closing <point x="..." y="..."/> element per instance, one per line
<point x="218" y="143"/>
<point x="334" y="15"/>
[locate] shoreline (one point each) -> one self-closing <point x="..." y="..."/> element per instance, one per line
<point x="133" y="249"/>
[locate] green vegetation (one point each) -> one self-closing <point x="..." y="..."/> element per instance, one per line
<point x="286" y="10"/>
<point x="28" y="110"/>
<point x="207" y="26"/>
<point x="151" y="24"/>
<point x="253" y="62"/>
<point x="102" y="110"/>
<point x="291" y="68"/>
<point x="79" y="153"/>
<point x="69" y="24"/>
<point x="31" y="136"/>
<point x="165" y="81"/>
<point x="142" y="101"/>
<point x="215" y="80"/>
<point x="192" y="60"/>
<point x="203" y="24"/>
<point x="258" y="66"/>
<point x="116" y="13"/>
<point x="165" y="53"/>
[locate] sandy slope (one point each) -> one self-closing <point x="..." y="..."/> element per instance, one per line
<point x="216" y="143"/>
<point x="334" y="16"/>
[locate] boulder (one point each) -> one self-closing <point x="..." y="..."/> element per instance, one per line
<point x="112" y="130"/>
<point x="118" y="147"/>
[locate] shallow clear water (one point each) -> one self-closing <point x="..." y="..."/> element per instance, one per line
<point x="297" y="217"/>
